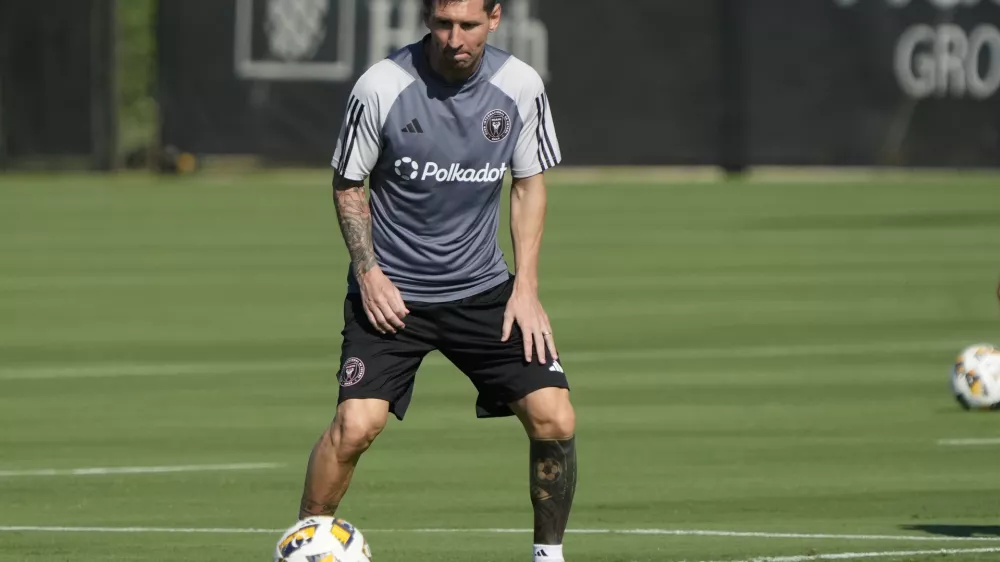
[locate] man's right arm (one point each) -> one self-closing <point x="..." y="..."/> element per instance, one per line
<point x="382" y="301"/>
<point x="355" y="219"/>
<point x="359" y="146"/>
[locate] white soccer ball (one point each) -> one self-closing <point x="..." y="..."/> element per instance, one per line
<point x="975" y="377"/>
<point x="322" y="539"/>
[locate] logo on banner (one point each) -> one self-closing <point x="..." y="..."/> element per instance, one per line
<point x="295" y="40"/>
<point x="316" y="40"/>
<point x="942" y="59"/>
<point x="295" y="29"/>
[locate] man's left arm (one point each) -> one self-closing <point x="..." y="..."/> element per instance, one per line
<point x="528" y="200"/>
<point x="536" y="151"/>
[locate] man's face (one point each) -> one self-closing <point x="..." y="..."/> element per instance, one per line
<point x="459" y="30"/>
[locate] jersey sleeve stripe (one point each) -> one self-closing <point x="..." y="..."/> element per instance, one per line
<point x="355" y="122"/>
<point x="543" y="156"/>
<point x="545" y="129"/>
<point x="351" y="105"/>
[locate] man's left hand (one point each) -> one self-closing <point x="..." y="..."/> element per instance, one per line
<point x="526" y="310"/>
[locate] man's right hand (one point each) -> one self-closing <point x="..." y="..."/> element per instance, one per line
<point x="382" y="301"/>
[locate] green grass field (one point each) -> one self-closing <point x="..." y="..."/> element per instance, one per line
<point x="751" y="360"/>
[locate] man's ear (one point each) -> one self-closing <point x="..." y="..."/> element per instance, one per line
<point x="495" y="17"/>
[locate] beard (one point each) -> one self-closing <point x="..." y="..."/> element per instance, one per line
<point x="445" y="58"/>
<point x="467" y="61"/>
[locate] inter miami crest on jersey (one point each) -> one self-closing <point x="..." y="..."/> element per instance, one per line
<point x="496" y="125"/>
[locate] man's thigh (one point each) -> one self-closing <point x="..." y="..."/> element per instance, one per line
<point x="471" y="332"/>
<point x="382" y="366"/>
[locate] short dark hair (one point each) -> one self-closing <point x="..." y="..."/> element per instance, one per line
<point x="488" y="5"/>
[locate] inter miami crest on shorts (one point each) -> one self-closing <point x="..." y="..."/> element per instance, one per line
<point x="352" y="372"/>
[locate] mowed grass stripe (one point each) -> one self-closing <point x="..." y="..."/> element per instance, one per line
<point x="221" y="367"/>
<point x="662" y="532"/>
<point x="863" y="555"/>
<point x="118" y="470"/>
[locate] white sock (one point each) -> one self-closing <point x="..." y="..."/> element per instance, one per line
<point x="548" y="552"/>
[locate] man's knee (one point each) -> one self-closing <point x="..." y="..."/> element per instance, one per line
<point x="356" y="425"/>
<point x="547" y="414"/>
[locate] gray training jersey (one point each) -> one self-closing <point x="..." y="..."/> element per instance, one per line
<point x="437" y="154"/>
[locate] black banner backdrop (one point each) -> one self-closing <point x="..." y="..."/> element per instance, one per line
<point x="824" y="82"/>
<point x="56" y="81"/>
<point x="837" y="82"/>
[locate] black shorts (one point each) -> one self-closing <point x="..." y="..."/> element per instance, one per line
<point x="466" y="331"/>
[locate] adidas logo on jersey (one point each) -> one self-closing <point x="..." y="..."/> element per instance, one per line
<point x="413" y="127"/>
<point x="408" y="168"/>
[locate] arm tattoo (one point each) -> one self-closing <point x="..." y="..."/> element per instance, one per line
<point x="309" y="508"/>
<point x="553" y="484"/>
<point x="355" y="219"/>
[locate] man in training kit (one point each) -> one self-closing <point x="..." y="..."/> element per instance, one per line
<point x="436" y="126"/>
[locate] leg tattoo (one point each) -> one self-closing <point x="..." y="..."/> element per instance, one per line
<point x="553" y="483"/>
<point x="309" y="508"/>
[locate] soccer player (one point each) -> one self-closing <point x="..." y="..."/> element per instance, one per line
<point x="436" y="126"/>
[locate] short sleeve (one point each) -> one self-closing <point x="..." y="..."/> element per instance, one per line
<point x="537" y="147"/>
<point x="360" y="140"/>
